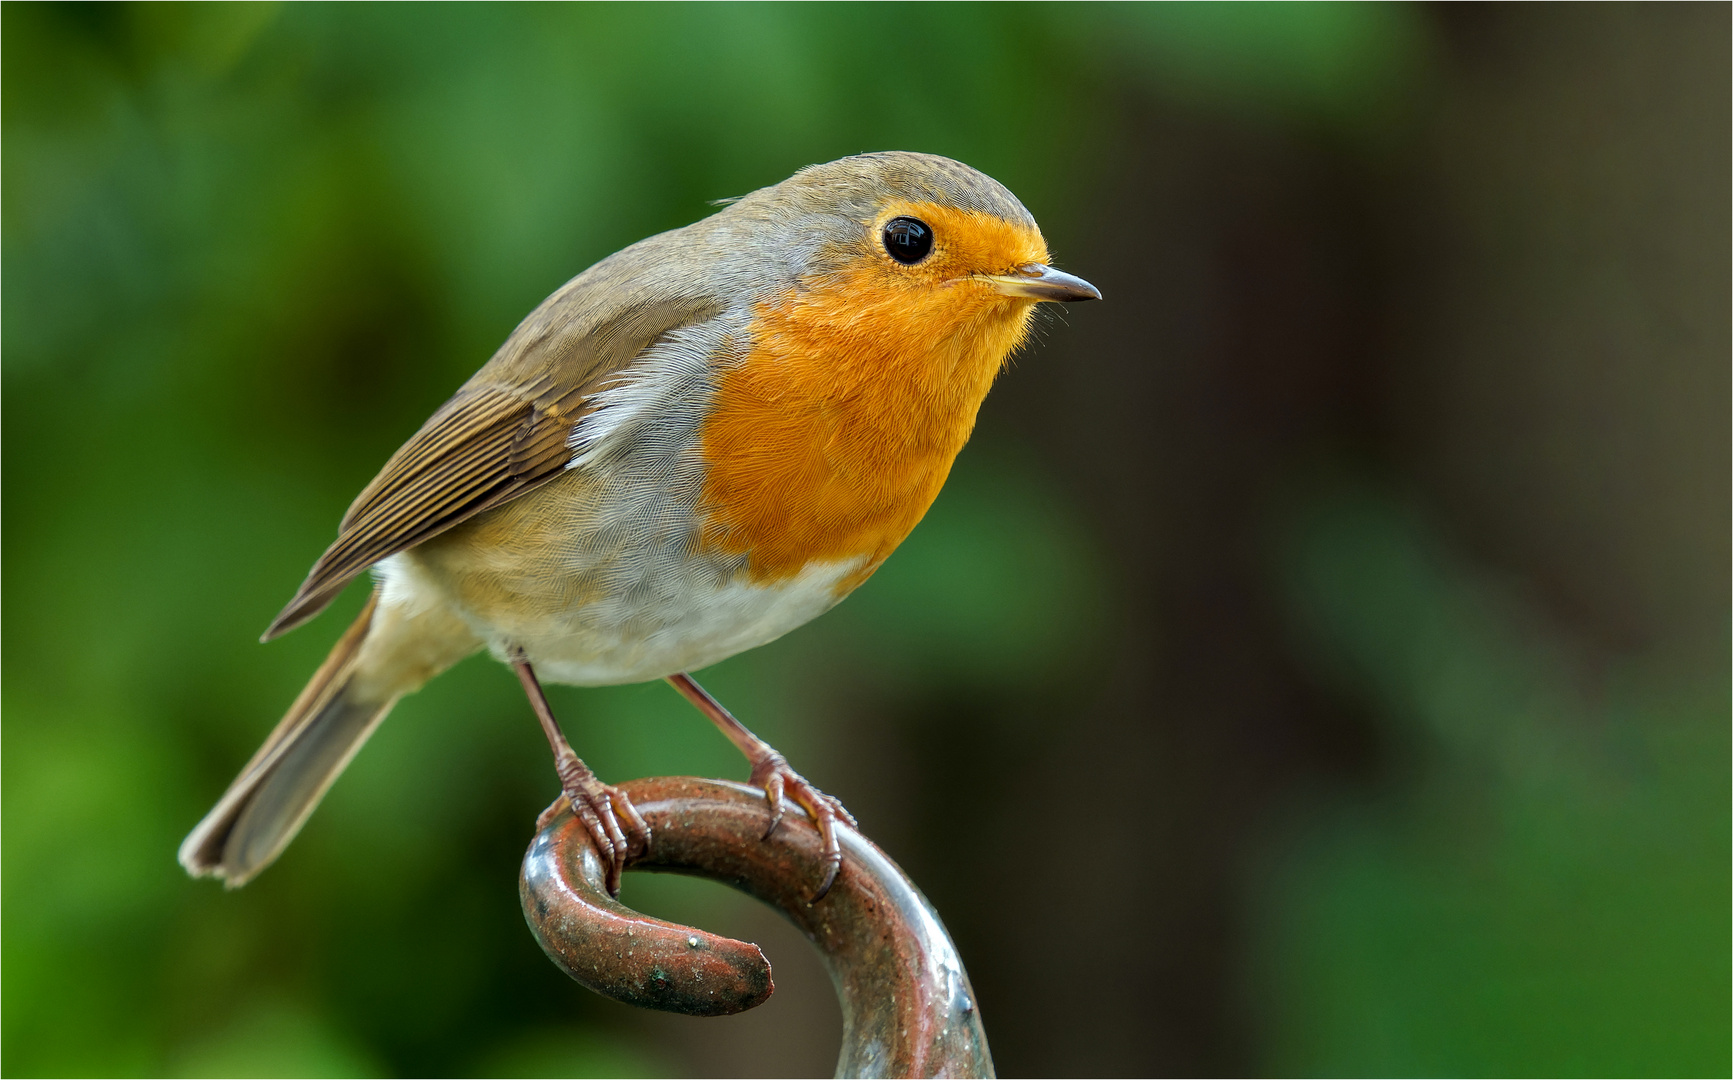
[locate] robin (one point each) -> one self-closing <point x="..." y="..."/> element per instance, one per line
<point x="691" y="448"/>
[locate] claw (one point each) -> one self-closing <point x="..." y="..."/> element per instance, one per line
<point x="782" y="784"/>
<point x="592" y="801"/>
<point x="825" y="811"/>
<point x="600" y="806"/>
<point x="616" y="842"/>
<point x="778" y="805"/>
<point x="639" y="828"/>
<point x="771" y="774"/>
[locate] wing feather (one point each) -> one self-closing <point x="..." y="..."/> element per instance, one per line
<point x="503" y="434"/>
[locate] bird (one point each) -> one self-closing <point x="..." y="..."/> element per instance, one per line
<point x="698" y="444"/>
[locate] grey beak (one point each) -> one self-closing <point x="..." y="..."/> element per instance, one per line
<point x="1038" y="281"/>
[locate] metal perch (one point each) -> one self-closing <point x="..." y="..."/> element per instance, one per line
<point x="907" y="1007"/>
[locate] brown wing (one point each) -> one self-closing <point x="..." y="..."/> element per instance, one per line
<point x="502" y="434"/>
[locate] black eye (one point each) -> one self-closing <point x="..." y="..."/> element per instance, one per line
<point x="909" y="241"/>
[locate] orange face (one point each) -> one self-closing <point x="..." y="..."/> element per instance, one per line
<point x="835" y="434"/>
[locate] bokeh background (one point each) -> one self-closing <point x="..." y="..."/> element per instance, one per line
<point x="1318" y="662"/>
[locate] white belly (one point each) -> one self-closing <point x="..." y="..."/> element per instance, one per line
<point x="667" y="635"/>
<point x="636" y="636"/>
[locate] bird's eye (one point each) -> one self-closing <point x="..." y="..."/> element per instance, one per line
<point x="908" y="241"/>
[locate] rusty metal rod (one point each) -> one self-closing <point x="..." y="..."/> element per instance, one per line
<point x="907" y="1006"/>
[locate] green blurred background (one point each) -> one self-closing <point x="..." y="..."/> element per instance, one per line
<point x="1318" y="662"/>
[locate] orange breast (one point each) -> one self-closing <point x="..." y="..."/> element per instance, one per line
<point x="834" y="435"/>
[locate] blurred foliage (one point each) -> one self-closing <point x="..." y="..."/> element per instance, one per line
<point x="248" y="248"/>
<point x="1545" y="892"/>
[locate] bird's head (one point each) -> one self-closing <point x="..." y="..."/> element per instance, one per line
<point x="912" y="244"/>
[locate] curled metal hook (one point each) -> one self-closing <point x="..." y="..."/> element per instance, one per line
<point x="907" y="1006"/>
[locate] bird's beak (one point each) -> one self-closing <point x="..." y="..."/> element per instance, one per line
<point x="1038" y="281"/>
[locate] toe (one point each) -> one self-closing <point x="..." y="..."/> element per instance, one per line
<point x="594" y="826"/>
<point x="783" y="785"/>
<point x="832" y="856"/>
<point x="616" y="841"/>
<point x="773" y="794"/>
<point x="636" y="828"/>
<point x="825" y="812"/>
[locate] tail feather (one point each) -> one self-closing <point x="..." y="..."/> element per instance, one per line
<point x="266" y="805"/>
<point x="283" y="798"/>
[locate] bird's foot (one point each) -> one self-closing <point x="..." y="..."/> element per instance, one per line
<point x="781" y="783"/>
<point x="602" y="808"/>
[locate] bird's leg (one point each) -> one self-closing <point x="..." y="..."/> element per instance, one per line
<point x="599" y="806"/>
<point x="770" y="771"/>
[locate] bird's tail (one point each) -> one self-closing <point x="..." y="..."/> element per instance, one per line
<point x="373" y="664"/>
